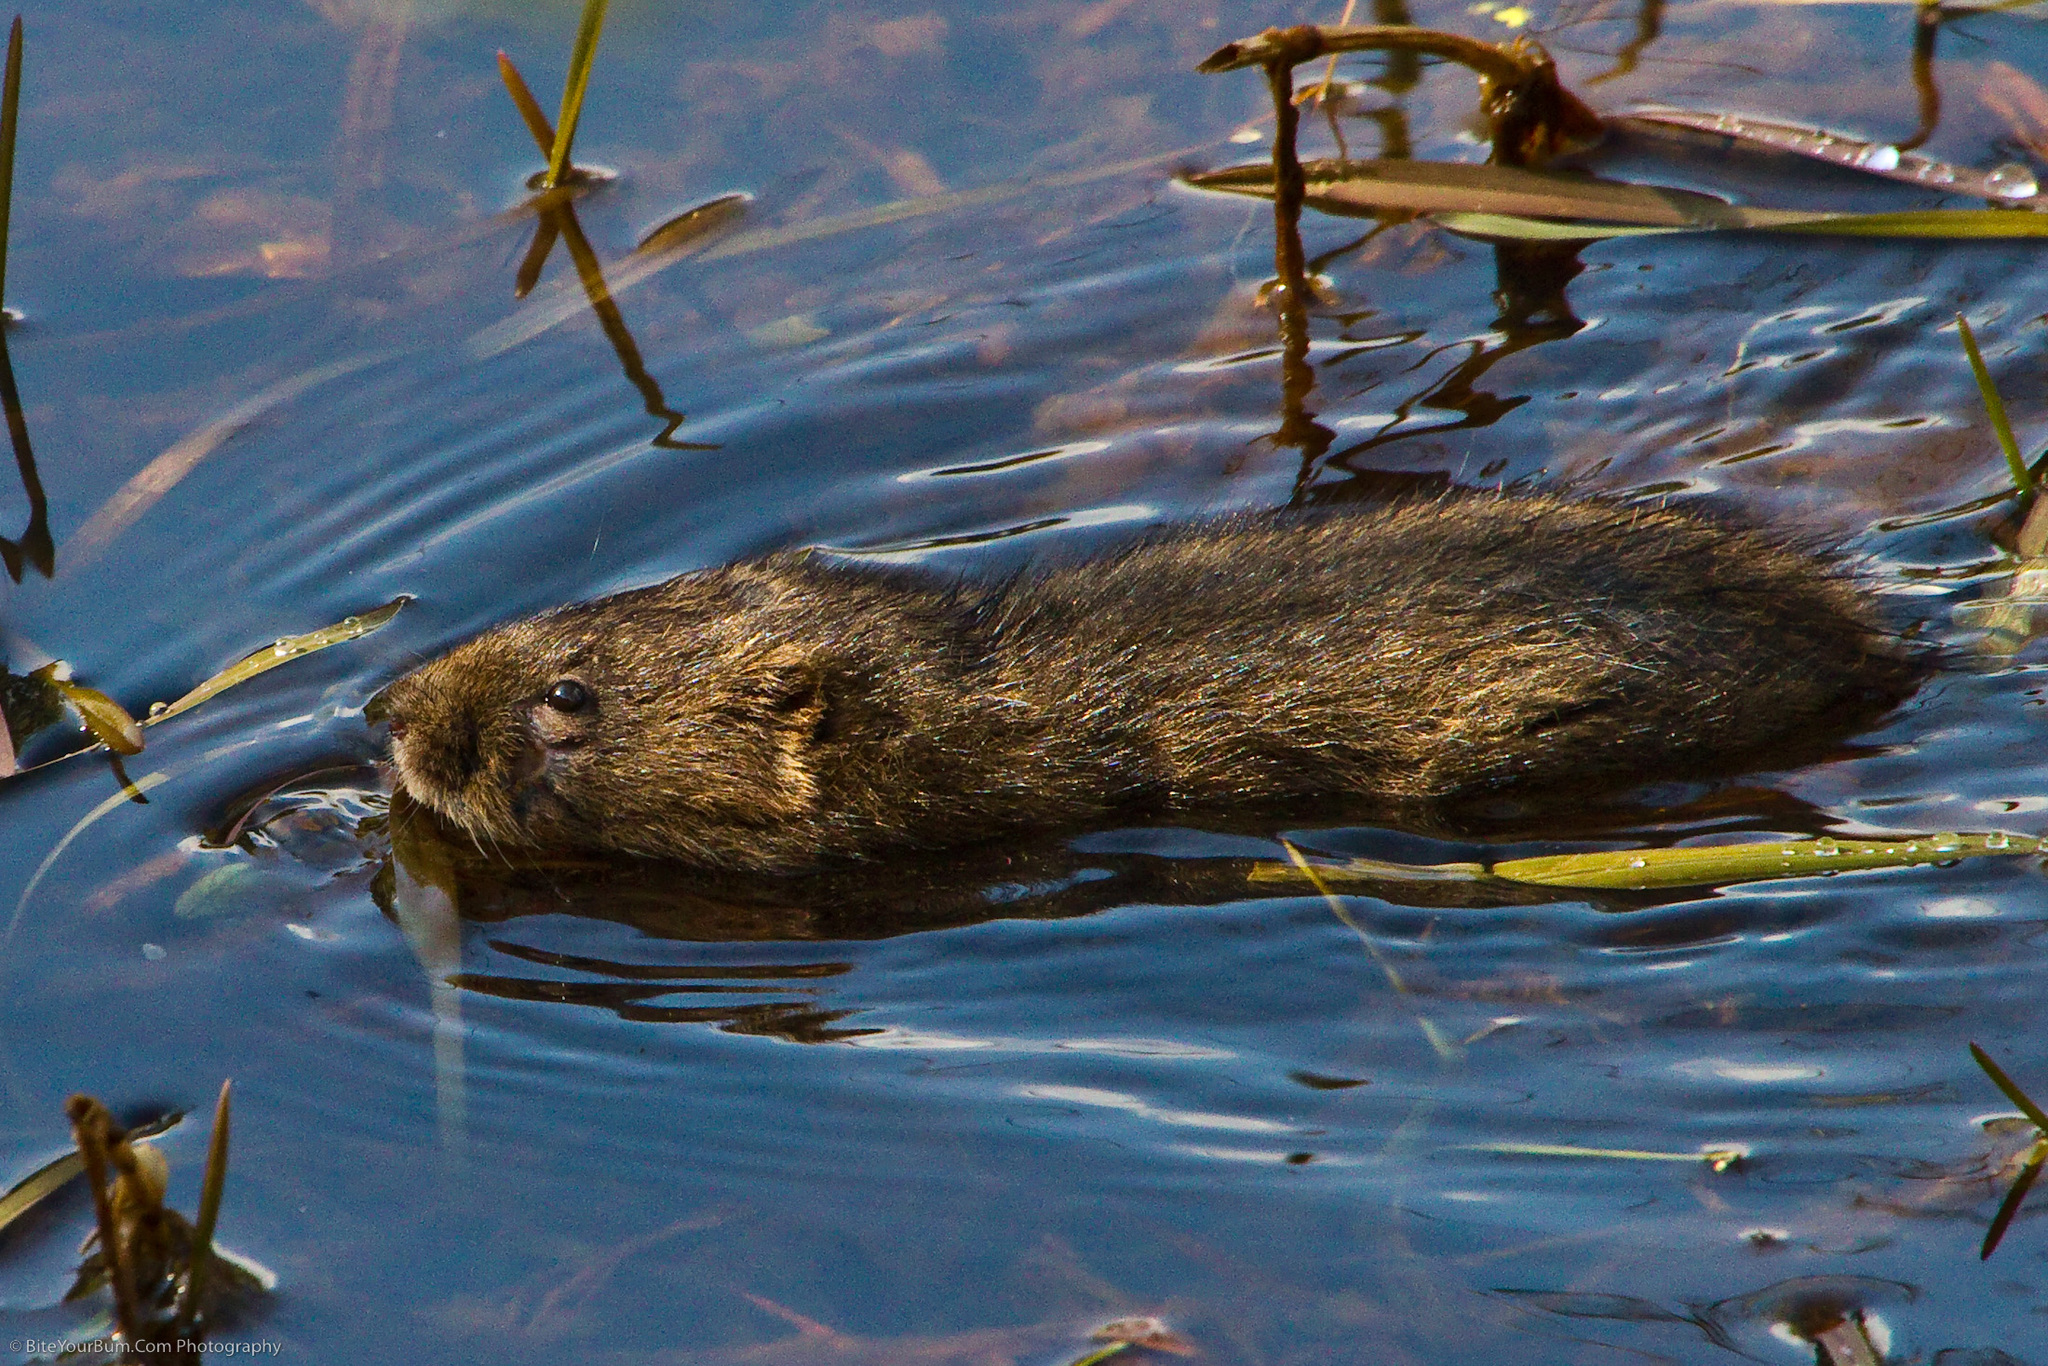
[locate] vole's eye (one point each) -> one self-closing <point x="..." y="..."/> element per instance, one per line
<point x="568" y="695"/>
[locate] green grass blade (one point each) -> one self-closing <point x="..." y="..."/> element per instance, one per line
<point x="31" y="1190"/>
<point x="2011" y="1088"/>
<point x="1714" y="865"/>
<point x="10" y="104"/>
<point x="529" y="108"/>
<point x="581" y="57"/>
<point x="1647" y="869"/>
<point x="2010" y="1206"/>
<point x="2022" y="478"/>
<point x="210" y="1189"/>
<point x="283" y="652"/>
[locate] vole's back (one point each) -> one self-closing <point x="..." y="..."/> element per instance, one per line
<point x="1431" y="648"/>
<point x="783" y="712"/>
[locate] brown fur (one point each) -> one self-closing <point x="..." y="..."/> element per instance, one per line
<point x="791" y="711"/>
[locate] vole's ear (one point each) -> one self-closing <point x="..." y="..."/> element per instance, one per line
<point x="796" y="686"/>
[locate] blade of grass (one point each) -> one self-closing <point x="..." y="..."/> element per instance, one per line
<point x="1720" y="1159"/>
<point x="32" y="1189"/>
<point x="10" y="104"/>
<point x="1641" y="869"/>
<point x="1938" y="224"/>
<point x="209" y="1211"/>
<point x="2011" y="1088"/>
<point x="1646" y="869"/>
<point x="2022" y="477"/>
<point x="581" y="57"/>
<point x="2010" y="1206"/>
<point x="529" y="107"/>
<point x="283" y="652"/>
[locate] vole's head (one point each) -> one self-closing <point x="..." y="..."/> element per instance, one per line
<point x="675" y="722"/>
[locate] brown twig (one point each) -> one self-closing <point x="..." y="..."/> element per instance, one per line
<point x="95" y="1132"/>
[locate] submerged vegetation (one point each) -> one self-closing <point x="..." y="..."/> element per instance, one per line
<point x="168" y="1283"/>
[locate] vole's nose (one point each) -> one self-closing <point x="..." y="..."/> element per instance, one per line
<point x="398" y="729"/>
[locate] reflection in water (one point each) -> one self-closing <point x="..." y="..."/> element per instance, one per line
<point x="35" y="546"/>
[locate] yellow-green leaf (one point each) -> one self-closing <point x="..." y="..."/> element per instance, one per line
<point x="283" y="652"/>
<point x="107" y="719"/>
<point x="694" y="229"/>
<point x="1713" y="865"/>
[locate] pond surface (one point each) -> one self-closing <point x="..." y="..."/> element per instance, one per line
<point x="276" y="374"/>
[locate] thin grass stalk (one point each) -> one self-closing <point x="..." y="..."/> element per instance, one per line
<point x="2033" y="1112"/>
<point x="581" y="58"/>
<point x="10" y="104"/>
<point x="529" y="108"/>
<point x="2022" y="477"/>
<point x="209" y="1211"/>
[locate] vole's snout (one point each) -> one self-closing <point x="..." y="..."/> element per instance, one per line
<point x="398" y="728"/>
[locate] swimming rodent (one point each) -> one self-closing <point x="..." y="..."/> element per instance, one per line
<point x="801" y="710"/>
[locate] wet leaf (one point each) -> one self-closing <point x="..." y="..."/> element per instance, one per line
<point x="283" y="652"/>
<point x="1719" y="1159"/>
<point x="31" y="1190"/>
<point x="2011" y="183"/>
<point x="1714" y="865"/>
<point x="1643" y="869"/>
<point x="1352" y="188"/>
<point x="108" y="721"/>
<point x="696" y="228"/>
<point x="1941" y="224"/>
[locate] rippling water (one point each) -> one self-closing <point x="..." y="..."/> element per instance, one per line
<point x="975" y="1107"/>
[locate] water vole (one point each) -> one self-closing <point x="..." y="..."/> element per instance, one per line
<point x="795" y="710"/>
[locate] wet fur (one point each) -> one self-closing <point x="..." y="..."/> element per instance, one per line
<point x="793" y="711"/>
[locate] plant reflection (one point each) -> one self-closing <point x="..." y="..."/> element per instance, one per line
<point x="555" y="209"/>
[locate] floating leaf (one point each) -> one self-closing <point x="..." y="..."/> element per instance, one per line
<point x="1518" y="204"/>
<point x="2022" y="478"/>
<point x="1713" y="865"/>
<point x="2011" y="183"/>
<point x="1351" y="188"/>
<point x="695" y="229"/>
<point x="32" y="1189"/>
<point x="1943" y="224"/>
<point x="1369" y="870"/>
<point x="1719" y="1159"/>
<point x="283" y="652"/>
<point x="108" y="721"/>
<point x="1704" y="866"/>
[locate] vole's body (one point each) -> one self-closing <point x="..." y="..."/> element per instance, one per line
<point x="794" y="710"/>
